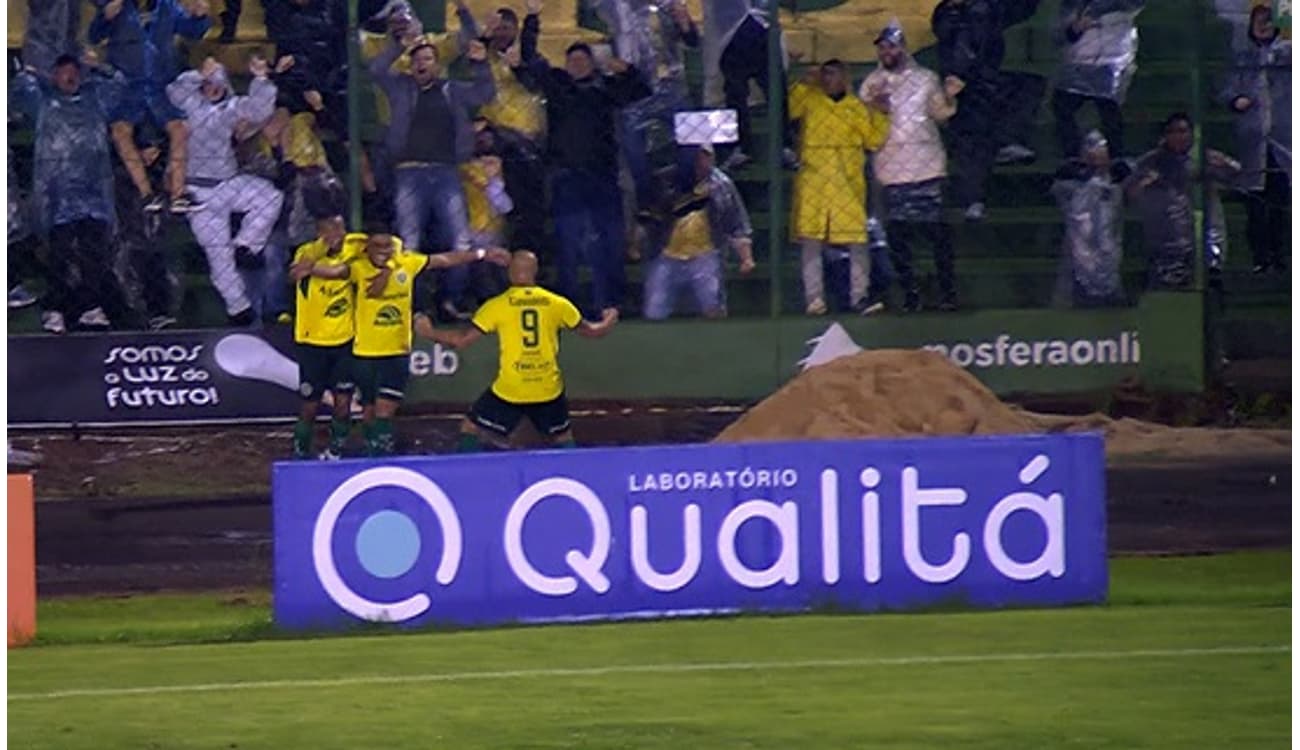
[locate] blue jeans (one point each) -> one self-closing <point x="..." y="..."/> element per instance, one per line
<point x="588" y="212"/>
<point x="268" y="287"/>
<point x="432" y="195"/>
<point x="702" y="275"/>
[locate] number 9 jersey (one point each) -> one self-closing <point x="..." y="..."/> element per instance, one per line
<point x="527" y="321"/>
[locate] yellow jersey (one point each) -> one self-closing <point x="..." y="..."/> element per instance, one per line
<point x="384" y="323"/>
<point x="514" y="106"/>
<point x="325" y="306"/>
<point x="483" y="219"/>
<point x="691" y="236"/>
<point x="527" y="321"/>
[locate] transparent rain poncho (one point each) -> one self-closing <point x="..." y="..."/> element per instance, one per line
<point x="1102" y="61"/>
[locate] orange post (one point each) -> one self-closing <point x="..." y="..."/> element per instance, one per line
<point x="22" y="560"/>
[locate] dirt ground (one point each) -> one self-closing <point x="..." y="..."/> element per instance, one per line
<point x="188" y="508"/>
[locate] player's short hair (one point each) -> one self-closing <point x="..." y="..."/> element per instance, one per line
<point x="508" y="15"/>
<point x="424" y="43"/>
<point x="377" y="226"/>
<point x="1176" y="117"/>
<point x="579" y="47"/>
<point x="833" y="64"/>
<point x="66" y="59"/>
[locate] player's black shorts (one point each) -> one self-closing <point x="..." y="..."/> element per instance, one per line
<point x="495" y="414"/>
<point x="324" y="368"/>
<point x="381" y="377"/>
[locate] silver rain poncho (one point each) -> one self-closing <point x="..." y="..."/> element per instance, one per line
<point x="1101" y="62"/>
<point x="1168" y="219"/>
<point x="1092" y="208"/>
<point x="73" y="176"/>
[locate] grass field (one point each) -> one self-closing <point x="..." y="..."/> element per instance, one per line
<point x="1190" y="652"/>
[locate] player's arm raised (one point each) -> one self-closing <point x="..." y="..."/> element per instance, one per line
<point x="589" y="330"/>
<point x="496" y="255"/>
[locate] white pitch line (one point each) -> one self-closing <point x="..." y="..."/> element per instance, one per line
<point x="679" y="668"/>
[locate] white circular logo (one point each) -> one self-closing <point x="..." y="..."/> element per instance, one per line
<point x="323" y="534"/>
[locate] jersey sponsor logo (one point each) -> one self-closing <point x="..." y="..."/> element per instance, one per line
<point x="337" y="309"/>
<point x="388" y="315"/>
<point x="401" y="277"/>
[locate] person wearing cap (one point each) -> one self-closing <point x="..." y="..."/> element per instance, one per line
<point x="912" y="164"/>
<point x="141" y="37"/>
<point x="72" y="190"/>
<point x="830" y="188"/>
<point x="582" y="104"/>
<point x="1258" y="93"/>
<point x="212" y="173"/>
<point x="430" y="134"/>
<point x="707" y="217"/>
<point x="1090" y="193"/>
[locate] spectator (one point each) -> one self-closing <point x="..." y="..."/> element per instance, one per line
<point x="650" y="36"/>
<point x="72" y="191"/>
<point x="736" y="37"/>
<point x="1090" y="192"/>
<point x="51" y="31"/>
<point x="141" y="43"/>
<point x="1259" y="93"/>
<point x="830" y="189"/>
<point x="21" y="240"/>
<point x="230" y="19"/>
<point x="1162" y="184"/>
<point x="311" y="34"/>
<point x="581" y="106"/>
<point x="707" y="217"/>
<point x="518" y="117"/>
<point x="138" y="238"/>
<point x="996" y="109"/>
<point x="487" y="204"/>
<point x="912" y="165"/>
<point x="214" y="114"/>
<point x="1099" y="42"/>
<point x="429" y="136"/>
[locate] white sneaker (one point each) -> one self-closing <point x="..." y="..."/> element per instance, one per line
<point x="975" y="212"/>
<point x="816" y="307"/>
<point x="94" y="318"/>
<point x="52" y="321"/>
<point x="329" y="455"/>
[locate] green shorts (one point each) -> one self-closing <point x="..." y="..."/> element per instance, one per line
<point x="495" y="414"/>
<point x="381" y="377"/>
<point x="324" y="368"/>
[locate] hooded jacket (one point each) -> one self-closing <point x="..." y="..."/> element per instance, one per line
<point x="142" y="44"/>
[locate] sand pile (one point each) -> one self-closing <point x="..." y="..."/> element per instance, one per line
<point x="879" y="393"/>
<point x="902" y="393"/>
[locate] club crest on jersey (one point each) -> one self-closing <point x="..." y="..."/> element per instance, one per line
<point x="401" y="277"/>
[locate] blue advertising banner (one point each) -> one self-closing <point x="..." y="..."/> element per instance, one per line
<point x="669" y="531"/>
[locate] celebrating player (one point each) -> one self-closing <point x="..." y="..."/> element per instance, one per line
<point x="383" y="277"/>
<point x="322" y="330"/>
<point x="527" y="321"/>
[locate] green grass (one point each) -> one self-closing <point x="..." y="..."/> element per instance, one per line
<point x="1083" y="687"/>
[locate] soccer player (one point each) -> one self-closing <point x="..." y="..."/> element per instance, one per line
<point x="322" y="330"/>
<point x="383" y="280"/>
<point x="527" y="321"/>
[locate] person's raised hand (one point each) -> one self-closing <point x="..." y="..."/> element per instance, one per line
<point x="533" y="7"/>
<point x="208" y="67"/>
<point x="498" y="256"/>
<point x="952" y="86"/>
<point x="258" y="67"/>
<point x="112" y="8"/>
<point x="477" y="51"/>
<point x="1242" y="103"/>
<point x="284" y="63"/>
<point x="618" y="65"/>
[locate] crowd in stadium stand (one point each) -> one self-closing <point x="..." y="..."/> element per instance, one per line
<point x="481" y="141"/>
